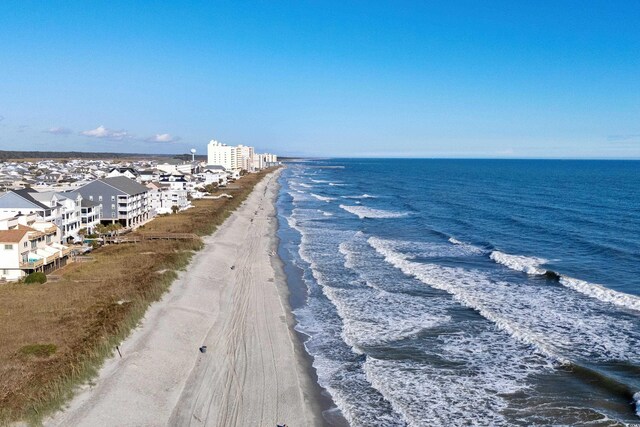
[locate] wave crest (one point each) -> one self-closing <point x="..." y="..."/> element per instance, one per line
<point x="531" y="265"/>
<point x="322" y="198"/>
<point x="365" y="212"/>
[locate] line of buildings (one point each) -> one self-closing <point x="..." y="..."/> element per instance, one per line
<point x="238" y="158"/>
<point x="48" y="206"/>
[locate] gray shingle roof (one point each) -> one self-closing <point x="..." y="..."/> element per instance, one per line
<point x="125" y="185"/>
<point x="25" y="194"/>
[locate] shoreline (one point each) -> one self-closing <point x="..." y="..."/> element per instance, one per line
<point x="253" y="372"/>
<point x="322" y="401"/>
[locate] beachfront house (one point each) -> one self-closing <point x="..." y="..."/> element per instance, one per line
<point x="28" y="244"/>
<point x="123" y="200"/>
<point x="213" y="174"/>
<point x="22" y="202"/>
<point x="69" y="203"/>
<point x="164" y="196"/>
<point x="90" y="212"/>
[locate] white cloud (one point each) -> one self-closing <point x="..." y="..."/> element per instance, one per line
<point x="102" y="132"/>
<point x="163" y="137"/>
<point x="105" y="133"/>
<point x="58" y="131"/>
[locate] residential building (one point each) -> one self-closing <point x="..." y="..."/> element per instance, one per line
<point x="22" y="202"/>
<point x="28" y="244"/>
<point x="224" y="155"/>
<point x="90" y="212"/>
<point x="127" y="172"/>
<point x="123" y="200"/>
<point x="246" y="159"/>
<point x="69" y="203"/>
<point x="213" y="174"/>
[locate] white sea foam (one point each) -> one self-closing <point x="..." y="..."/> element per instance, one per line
<point x="569" y="329"/>
<point x="298" y="195"/>
<point x="320" y="181"/>
<point x="531" y="265"/>
<point x="526" y="264"/>
<point x="365" y="212"/>
<point x="323" y="198"/>
<point x="455" y="241"/>
<point x="362" y="196"/>
<point x="603" y="294"/>
<point x="372" y="318"/>
<point x="292" y="222"/>
<point x="305" y="185"/>
<point x="338" y="372"/>
<point x="636" y="401"/>
<point x="469" y="247"/>
<point x="436" y="250"/>
<point x="483" y="369"/>
<point x="337" y="184"/>
<point x="482" y="364"/>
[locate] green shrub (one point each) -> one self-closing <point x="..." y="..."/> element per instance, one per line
<point x="37" y="277"/>
<point x="38" y="350"/>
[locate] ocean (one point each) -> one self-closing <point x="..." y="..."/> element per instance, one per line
<point x="467" y="292"/>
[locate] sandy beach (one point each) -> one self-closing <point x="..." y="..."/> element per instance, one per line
<point x="232" y="299"/>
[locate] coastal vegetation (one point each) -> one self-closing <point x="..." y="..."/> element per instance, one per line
<point x="37" y="277"/>
<point x="55" y="337"/>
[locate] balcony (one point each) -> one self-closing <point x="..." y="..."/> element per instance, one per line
<point x="31" y="265"/>
<point x="35" y="235"/>
<point x="51" y="258"/>
<point x="51" y="230"/>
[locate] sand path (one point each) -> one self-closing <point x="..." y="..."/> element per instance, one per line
<point x="253" y="373"/>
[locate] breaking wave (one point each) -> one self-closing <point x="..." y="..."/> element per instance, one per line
<point x="365" y="212"/>
<point x="531" y="265"/>
<point x="362" y="196"/>
<point x="323" y="198"/>
<point x="571" y="328"/>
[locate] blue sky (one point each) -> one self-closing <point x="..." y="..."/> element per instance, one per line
<point x="367" y="78"/>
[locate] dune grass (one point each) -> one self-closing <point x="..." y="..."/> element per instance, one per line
<point x="55" y="336"/>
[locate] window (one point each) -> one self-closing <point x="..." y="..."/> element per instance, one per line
<point x="26" y="244"/>
<point x="8" y="247"/>
<point x="91" y="198"/>
<point x="99" y="198"/>
<point x="113" y="198"/>
<point x="113" y="206"/>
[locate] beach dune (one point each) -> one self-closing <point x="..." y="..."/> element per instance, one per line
<point x="233" y="300"/>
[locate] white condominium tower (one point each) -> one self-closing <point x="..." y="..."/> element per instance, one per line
<point x="224" y="155"/>
<point x="247" y="157"/>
